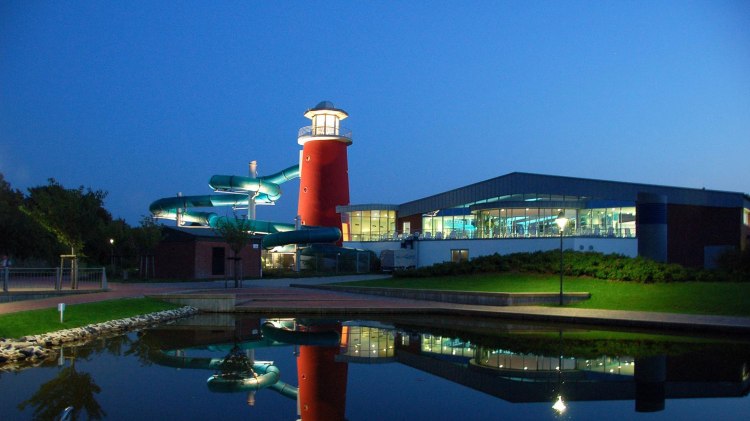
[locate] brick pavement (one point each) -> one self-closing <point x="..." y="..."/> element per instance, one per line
<point x="273" y="296"/>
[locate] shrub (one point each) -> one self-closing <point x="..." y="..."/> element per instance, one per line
<point x="592" y="264"/>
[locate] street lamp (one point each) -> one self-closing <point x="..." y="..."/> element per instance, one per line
<point x="112" y="253"/>
<point x="561" y="221"/>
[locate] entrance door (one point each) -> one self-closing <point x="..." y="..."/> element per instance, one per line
<point x="218" y="259"/>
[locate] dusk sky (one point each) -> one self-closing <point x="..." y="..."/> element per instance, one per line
<point x="144" y="99"/>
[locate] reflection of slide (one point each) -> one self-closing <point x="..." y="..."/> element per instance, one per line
<point x="263" y="374"/>
<point x="264" y="190"/>
<point x="280" y="333"/>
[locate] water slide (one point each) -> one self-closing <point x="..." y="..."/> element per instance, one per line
<point x="238" y="190"/>
<point x="281" y="332"/>
<point x="264" y="374"/>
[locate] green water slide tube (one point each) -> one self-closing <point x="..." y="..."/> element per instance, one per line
<point x="264" y="375"/>
<point x="267" y="186"/>
<point x="306" y="235"/>
<point x="167" y="207"/>
<point x="263" y="190"/>
<point x="280" y="333"/>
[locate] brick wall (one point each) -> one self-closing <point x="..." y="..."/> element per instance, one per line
<point x="691" y="228"/>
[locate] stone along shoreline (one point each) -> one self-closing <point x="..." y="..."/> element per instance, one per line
<point x="31" y="349"/>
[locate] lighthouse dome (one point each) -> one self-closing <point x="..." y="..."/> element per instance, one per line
<point x="326" y="107"/>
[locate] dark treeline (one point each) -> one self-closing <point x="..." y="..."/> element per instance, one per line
<point x="50" y="220"/>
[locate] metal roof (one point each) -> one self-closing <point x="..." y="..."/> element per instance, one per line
<point x="519" y="183"/>
<point x="366" y="207"/>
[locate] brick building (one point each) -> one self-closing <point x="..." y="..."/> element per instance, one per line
<point x="202" y="254"/>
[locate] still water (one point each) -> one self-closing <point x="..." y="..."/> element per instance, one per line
<point x="222" y="367"/>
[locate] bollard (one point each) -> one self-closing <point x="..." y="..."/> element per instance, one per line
<point x="61" y="309"/>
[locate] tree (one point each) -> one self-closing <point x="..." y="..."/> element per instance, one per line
<point x="75" y="217"/>
<point x="69" y="388"/>
<point x="21" y="237"/>
<point x="237" y="234"/>
<point x="146" y="238"/>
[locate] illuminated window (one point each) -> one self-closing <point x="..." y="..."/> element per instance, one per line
<point x="459" y="255"/>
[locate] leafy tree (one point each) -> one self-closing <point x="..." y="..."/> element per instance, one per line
<point x="146" y="238"/>
<point x="20" y="237"/>
<point x="69" y="388"/>
<point x="75" y="217"/>
<point x="236" y="232"/>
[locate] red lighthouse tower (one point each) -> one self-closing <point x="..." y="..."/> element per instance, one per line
<point x="324" y="171"/>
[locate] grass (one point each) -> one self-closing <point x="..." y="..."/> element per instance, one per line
<point x="35" y="322"/>
<point x="725" y="298"/>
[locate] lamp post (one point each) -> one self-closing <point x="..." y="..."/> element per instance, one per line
<point x="561" y="221"/>
<point x="112" y="254"/>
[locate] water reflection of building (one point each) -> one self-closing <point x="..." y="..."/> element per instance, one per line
<point x="526" y="377"/>
<point x="367" y="344"/>
<point x="538" y="373"/>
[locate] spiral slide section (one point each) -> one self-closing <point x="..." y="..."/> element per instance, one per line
<point x="240" y="190"/>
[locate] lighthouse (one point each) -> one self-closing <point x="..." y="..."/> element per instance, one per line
<point x="324" y="171"/>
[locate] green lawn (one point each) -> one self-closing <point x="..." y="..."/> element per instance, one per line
<point x="687" y="297"/>
<point x="34" y="322"/>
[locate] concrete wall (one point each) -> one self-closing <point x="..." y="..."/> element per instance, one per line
<point x="430" y="252"/>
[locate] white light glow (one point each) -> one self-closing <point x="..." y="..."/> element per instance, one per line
<point x="559" y="405"/>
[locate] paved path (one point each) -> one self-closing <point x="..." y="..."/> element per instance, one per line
<point x="130" y="290"/>
<point x="275" y="296"/>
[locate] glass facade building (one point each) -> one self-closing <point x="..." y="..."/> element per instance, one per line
<point x="673" y="224"/>
<point x="509" y="218"/>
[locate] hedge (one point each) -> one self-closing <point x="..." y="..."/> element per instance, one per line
<point x="592" y="264"/>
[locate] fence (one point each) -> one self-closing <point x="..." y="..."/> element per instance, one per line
<point x="53" y="279"/>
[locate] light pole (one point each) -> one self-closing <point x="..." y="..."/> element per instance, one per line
<point x="561" y="221"/>
<point x="112" y="254"/>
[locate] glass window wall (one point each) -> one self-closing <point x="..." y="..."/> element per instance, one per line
<point x="457" y="223"/>
<point x="368" y="225"/>
<point x="540" y="222"/>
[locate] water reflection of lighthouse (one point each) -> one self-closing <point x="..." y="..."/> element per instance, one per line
<point x="321" y="379"/>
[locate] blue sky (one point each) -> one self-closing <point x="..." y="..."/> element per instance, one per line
<point x="147" y="99"/>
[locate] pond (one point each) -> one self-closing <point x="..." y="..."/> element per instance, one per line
<point x="223" y="367"/>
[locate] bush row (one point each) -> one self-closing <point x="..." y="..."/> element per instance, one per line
<point x="596" y="265"/>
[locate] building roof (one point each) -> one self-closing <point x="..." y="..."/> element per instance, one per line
<point x="518" y="182"/>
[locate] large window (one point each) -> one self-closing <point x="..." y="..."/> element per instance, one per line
<point x="457" y="223"/>
<point x="368" y="225"/>
<point x="523" y="222"/>
<point x="325" y="124"/>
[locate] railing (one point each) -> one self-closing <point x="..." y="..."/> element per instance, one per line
<point x="53" y="279"/>
<point x="497" y="234"/>
<point x="324" y="131"/>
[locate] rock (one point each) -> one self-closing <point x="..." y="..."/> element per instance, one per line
<point x="36" y="348"/>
